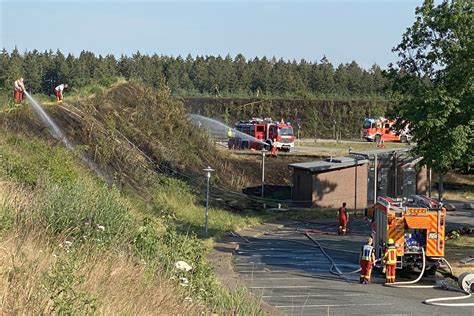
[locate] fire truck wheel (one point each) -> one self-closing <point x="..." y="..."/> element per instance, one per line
<point x="403" y="139"/>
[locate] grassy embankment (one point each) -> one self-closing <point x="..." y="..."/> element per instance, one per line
<point x="72" y="244"/>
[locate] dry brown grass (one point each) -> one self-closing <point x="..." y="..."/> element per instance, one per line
<point x="457" y="249"/>
<point x="116" y="282"/>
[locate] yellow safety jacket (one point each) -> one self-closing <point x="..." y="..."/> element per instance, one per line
<point x="390" y="256"/>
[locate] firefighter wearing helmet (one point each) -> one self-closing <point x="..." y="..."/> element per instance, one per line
<point x="390" y="259"/>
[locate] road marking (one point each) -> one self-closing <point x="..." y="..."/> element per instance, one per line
<point x="290" y="264"/>
<point x="316" y="295"/>
<point x="285" y="287"/>
<point x="281" y="271"/>
<point x="333" y="305"/>
<point x="295" y="278"/>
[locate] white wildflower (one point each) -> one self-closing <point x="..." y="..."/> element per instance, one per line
<point x="184" y="281"/>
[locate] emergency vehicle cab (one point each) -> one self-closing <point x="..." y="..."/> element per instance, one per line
<point x="414" y="224"/>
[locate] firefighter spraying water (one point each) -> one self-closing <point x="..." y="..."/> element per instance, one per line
<point x="275" y="135"/>
<point x="220" y="131"/>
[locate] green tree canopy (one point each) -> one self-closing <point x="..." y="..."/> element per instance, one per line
<point x="434" y="82"/>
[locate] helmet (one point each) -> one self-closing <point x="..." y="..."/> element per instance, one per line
<point x="390" y="241"/>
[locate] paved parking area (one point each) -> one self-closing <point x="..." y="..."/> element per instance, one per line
<point x="291" y="273"/>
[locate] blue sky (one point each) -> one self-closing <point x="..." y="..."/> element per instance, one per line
<point x="364" y="31"/>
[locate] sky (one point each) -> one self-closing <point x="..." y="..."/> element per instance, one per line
<point x="343" y="31"/>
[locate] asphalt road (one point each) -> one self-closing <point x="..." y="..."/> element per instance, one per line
<point x="460" y="217"/>
<point x="289" y="272"/>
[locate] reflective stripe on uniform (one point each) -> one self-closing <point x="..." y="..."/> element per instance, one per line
<point x="367" y="252"/>
<point x="391" y="255"/>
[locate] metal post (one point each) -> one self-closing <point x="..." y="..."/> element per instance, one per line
<point x="375" y="178"/>
<point x="355" y="186"/>
<point x="440" y="187"/>
<point x="208" y="176"/>
<point x="263" y="171"/>
<point x="438" y="235"/>
<point x="429" y="182"/>
<point x="396" y="174"/>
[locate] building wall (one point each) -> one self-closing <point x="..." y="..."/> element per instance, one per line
<point x="302" y="187"/>
<point x="332" y="187"/>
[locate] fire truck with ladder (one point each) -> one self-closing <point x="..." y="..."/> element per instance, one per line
<point x="264" y="133"/>
<point x="414" y="224"/>
<point x="379" y="128"/>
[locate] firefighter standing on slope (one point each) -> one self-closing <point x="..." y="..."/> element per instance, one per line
<point x="342" y="217"/>
<point x="58" y="92"/>
<point x="230" y="134"/>
<point x="390" y="259"/>
<point x="18" y="90"/>
<point x="367" y="260"/>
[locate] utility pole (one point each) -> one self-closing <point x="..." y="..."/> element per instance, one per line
<point x="208" y="176"/>
<point x="263" y="171"/>
<point x="355" y="179"/>
<point x="429" y="181"/>
<point x="375" y="178"/>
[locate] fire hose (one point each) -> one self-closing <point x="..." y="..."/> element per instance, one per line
<point x="464" y="288"/>
<point x="466" y="280"/>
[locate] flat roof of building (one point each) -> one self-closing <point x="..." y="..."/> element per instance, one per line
<point x="382" y="151"/>
<point x="328" y="164"/>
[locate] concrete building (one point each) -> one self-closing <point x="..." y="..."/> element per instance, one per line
<point x="351" y="179"/>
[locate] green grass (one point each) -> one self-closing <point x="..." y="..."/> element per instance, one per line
<point x="355" y="146"/>
<point x="71" y="204"/>
<point x="462" y="241"/>
<point x="176" y="201"/>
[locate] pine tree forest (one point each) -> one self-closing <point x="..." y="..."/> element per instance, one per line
<point x="195" y="76"/>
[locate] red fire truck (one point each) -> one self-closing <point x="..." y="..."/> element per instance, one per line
<point x="258" y="133"/>
<point x="379" y="128"/>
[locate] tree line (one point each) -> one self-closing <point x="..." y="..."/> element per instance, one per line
<point x="200" y="75"/>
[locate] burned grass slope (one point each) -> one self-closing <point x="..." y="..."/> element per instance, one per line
<point x="131" y="132"/>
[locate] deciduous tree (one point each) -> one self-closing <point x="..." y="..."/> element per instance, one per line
<point x="434" y="79"/>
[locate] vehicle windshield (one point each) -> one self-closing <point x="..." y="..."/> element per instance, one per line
<point x="367" y="124"/>
<point x="285" y="131"/>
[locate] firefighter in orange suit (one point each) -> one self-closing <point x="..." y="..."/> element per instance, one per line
<point x="18" y="90"/>
<point x="274" y="149"/>
<point x="367" y="260"/>
<point x="58" y="92"/>
<point x="390" y="259"/>
<point x="342" y="217"/>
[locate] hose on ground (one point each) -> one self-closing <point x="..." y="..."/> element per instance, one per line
<point x="411" y="284"/>
<point x="435" y="301"/>
<point x="333" y="269"/>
